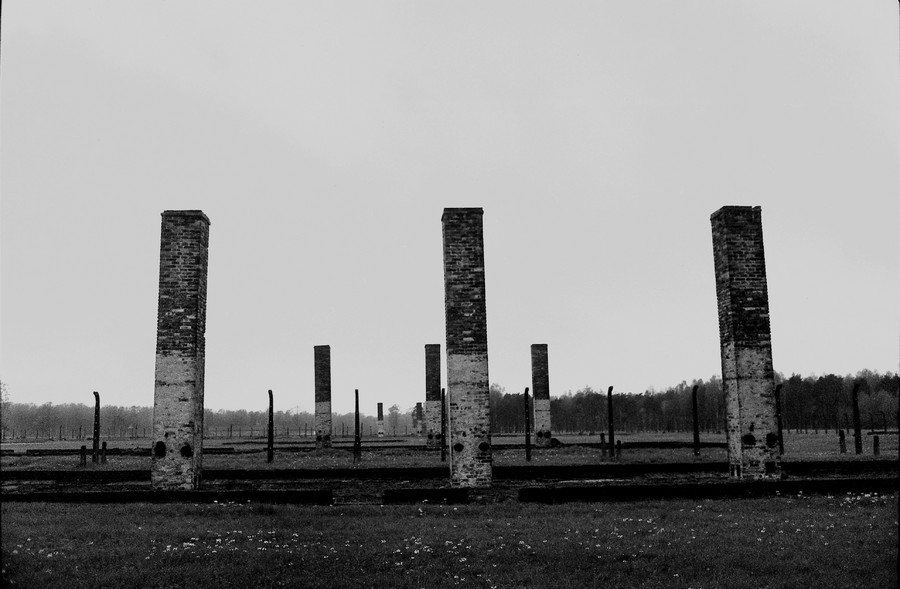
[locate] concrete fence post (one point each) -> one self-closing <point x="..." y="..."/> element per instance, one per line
<point x="527" y="428"/>
<point x="609" y="416"/>
<point x="96" y="448"/>
<point x="696" y="421"/>
<point x="778" y="419"/>
<point x="443" y="425"/>
<point x="857" y="424"/>
<point x="270" y="442"/>
<point x="357" y="441"/>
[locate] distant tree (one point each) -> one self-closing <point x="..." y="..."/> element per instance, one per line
<point x="393" y="418"/>
<point x="4" y="406"/>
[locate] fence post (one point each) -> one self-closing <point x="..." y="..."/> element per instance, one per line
<point x="876" y="446"/>
<point x="602" y="444"/>
<point x="618" y="449"/>
<point x="857" y="425"/>
<point x="778" y="419"/>
<point x="842" y="440"/>
<point x="609" y="410"/>
<point x="443" y="425"/>
<point x="103" y="454"/>
<point x="96" y="447"/>
<point x="527" y="429"/>
<point x="83" y="456"/>
<point x="696" y="421"/>
<point x="270" y="446"/>
<point x="357" y="442"/>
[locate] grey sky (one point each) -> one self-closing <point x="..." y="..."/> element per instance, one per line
<point x="323" y="140"/>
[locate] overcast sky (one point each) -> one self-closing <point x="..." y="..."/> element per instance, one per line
<point x="324" y="139"/>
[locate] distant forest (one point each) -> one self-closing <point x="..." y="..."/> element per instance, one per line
<point x="809" y="403"/>
<point x="806" y="403"/>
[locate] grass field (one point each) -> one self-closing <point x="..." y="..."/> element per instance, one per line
<point x="844" y="541"/>
<point x="797" y="447"/>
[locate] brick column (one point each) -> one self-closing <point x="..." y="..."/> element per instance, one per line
<point x="322" y="359"/>
<point x="467" y="353"/>
<point x="177" y="451"/>
<point x="540" y="385"/>
<point x="746" y="342"/>
<point x="381" y="420"/>
<point x="433" y="395"/>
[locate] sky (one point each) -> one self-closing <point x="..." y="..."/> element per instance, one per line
<point x="324" y="140"/>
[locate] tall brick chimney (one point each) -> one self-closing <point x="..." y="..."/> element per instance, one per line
<point x="380" y="422"/>
<point x="467" y="348"/>
<point x="433" y="395"/>
<point x="177" y="450"/>
<point x="322" y="360"/>
<point x="748" y="378"/>
<point x="540" y="385"/>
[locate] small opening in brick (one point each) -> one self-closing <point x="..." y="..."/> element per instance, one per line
<point x="771" y="439"/>
<point x="748" y="439"/>
<point x="159" y="449"/>
<point x="187" y="451"/>
<point x="430" y="436"/>
<point x="318" y="438"/>
<point x="458" y="446"/>
<point x="547" y="434"/>
<point x="540" y="434"/>
<point x="770" y="466"/>
<point x="437" y="436"/>
<point x="484" y="447"/>
<point x="327" y="437"/>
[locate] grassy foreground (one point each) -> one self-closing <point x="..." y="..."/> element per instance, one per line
<point x="844" y="541"/>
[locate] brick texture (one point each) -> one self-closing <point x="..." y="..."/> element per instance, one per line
<point x="746" y="342"/>
<point x="540" y="387"/>
<point x="467" y="358"/>
<point x="433" y="395"/>
<point x="322" y="362"/>
<point x="177" y="449"/>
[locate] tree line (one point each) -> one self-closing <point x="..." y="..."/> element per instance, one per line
<point x="810" y="402"/>
<point x="72" y="421"/>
